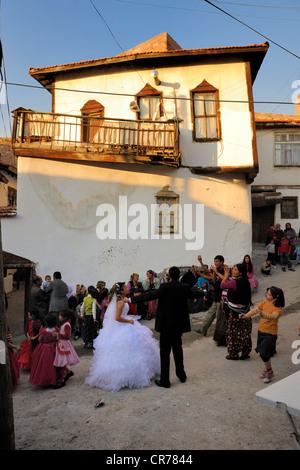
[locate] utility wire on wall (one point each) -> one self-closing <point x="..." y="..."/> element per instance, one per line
<point x="180" y="98"/>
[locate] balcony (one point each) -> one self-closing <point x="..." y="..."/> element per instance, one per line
<point x="71" y="137"/>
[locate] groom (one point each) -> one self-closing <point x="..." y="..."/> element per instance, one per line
<point x="172" y="320"/>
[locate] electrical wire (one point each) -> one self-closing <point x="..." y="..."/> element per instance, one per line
<point x="258" y="6"/>
<point x="203" y="11"/>
<point x="252" y="29"/>
<point x="107" y="26"/>
<point x="179" y="98"/>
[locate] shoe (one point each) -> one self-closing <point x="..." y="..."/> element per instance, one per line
<point x="291" y="269"/>
<point x="233" y="358"/>
<point x="160" y="384"/>
<point x="182" y="379"/>
<point x="68" y="375"/>
<point x="268" y="376"/>
<point x="60" y="385"/>
<point x="283" y="269"/>
<point x="200" y="332"/>
<point x="244" y="356"/>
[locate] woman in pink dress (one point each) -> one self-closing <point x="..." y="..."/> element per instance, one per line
<point x="65" y="353"/>
<point x="250" y="272"/>
<point x="151" y="282"/>
<point x="43" y="372"/>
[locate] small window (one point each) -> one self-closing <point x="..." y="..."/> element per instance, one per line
<point x="287" y="149"/>
<point x="205" y="113"/>
<point x="167" y="211"/>
<point x="150" y="103"/>
<point x="289" y="208"/>
<point x="11" y="196"/>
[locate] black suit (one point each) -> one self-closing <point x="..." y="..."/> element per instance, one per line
<point x="172" y="320"/>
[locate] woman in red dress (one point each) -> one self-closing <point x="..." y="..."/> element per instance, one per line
<point x="43" y="372"/>
<point x="13" y="363"/>
<point x="27" y="346"/>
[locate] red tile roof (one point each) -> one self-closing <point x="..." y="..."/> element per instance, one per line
<point x="277" y="118"/>
<point x="163" y="44"/>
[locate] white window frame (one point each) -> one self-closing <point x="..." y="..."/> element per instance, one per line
<point x="285" y="146"/>
<point x="167" y="211"/>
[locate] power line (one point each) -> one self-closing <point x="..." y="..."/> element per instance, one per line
<point x="203" y="11"/>
<point x="259" y="6"/>
<point x="179" y="98"/>
<point x="252" y="29"/>
<point x="107" y="26"/>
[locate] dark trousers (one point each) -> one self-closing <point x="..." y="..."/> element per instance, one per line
<point x="171" y="342"/>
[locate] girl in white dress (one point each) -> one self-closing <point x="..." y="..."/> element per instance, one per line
<point x="125" y="352"/>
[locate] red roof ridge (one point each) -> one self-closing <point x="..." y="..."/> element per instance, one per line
<point x="165" y="45"/>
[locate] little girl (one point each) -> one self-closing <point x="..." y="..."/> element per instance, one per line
<point x="27" y="346"/>
<point x="43" y="371"/>
<point x="270" y="311"/>
<point x="65" y="353"/>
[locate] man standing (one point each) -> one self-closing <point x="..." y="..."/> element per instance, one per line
<point x="59" y="290"/>
<point x="39" y="300"/>
<point x="218" y="270"/>
<point x="172" y="320"/>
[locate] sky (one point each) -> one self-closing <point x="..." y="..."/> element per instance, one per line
<point x="38" y="33"/>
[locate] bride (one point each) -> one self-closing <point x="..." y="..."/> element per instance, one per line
<point x="125" y="352"/>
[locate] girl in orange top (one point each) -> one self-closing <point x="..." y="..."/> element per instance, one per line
<point x="270" y="311"/>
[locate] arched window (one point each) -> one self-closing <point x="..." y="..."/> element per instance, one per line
<point x="205" y="113"/>
<point x="150" y="103"/>
<point x="167" y="211"/>
<point x="91" y="112"/>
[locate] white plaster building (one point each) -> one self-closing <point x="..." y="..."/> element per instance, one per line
<point x="121" y="139"/>
<point x="276" y="189"/>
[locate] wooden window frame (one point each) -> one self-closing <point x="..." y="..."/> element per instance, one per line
<point x="149" y="92"/>
<point x="11" y="196"/>
<point x="285" y="215"/>
<point x="91" y="109"/>
<point x="206" y="88"/>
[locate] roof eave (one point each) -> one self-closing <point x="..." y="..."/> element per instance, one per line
<point x="254" y="54"/>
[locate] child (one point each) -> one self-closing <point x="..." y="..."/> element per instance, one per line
<point x="297" y="254"/>
<point x="46" y="281"/>
<point x="266" y="267"/>
<point x="284" y="251"/>
<point x="28" y="345"/>
<point x="43" y="372"/>
<point x="270" y="311"/>
<point x="88" y="313"/>
<point x="13" y="363"/>
<point x="65" y="353"/>
<point x="271" y="249"/>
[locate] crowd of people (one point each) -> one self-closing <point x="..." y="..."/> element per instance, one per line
<point x="94" y="313"/>
<point x="281" y="248"/>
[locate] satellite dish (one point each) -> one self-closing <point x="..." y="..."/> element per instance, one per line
<point x="134" y="106"/>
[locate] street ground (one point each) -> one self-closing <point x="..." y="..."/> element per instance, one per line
<point x="214" y="410"/>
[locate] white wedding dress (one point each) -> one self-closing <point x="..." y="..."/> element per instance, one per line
<point x="125" y="355"/>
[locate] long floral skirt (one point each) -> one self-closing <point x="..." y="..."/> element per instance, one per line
<point x="238" y="336"/>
